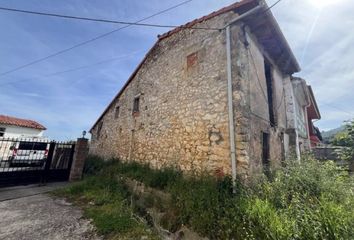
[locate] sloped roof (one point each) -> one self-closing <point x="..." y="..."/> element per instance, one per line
<point x="7" y="120"/>
<point x="239" y="7"/>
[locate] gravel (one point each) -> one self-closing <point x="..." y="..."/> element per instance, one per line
<point x="43" y="217"/>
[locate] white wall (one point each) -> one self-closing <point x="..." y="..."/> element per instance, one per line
<point x="15" y="132"/>
<point x="20" y="132"/>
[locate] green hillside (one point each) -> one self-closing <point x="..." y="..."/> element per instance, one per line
<point x="329" y="135"/>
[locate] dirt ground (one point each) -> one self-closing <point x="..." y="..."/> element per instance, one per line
<point x="42" y="217"/>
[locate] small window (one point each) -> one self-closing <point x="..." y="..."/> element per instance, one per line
<point x="2" y="132"/>
<point x="136" y="104"/>
<point x="116" y="113"/>
<point x="99" y="128"/>
<point x="265" y="153"/>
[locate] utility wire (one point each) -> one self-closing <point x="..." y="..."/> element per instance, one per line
<point x="108" y="20"/>
<point x="270" y="7"/>
<point x="102" y="20"/>
<point x="266" y="99"/>
<point x="93" y="64"/>
<point x="258" y="78"/>
<point x="329" y="105"/>
<point x="260" y="85"/>
<point x="89" y="41"/>
<point x="79" y="68"/>
<point x="339" y="109"/>
<point x="262" y="118"/>
<point x="127" y="24"/>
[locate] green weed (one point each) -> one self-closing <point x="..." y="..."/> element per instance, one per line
<point x="311" y="200"/>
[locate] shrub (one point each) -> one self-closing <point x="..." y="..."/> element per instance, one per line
<point x="94" y="164"/>
<point x="103" y="198"/>
<point x="347" y="139"/>
<point x="311" y="200"/>
<point x="159" y="179"/>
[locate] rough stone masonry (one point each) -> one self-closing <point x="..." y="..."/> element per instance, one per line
<point x="173" y="110"/>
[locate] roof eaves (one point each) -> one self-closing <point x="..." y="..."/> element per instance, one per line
<point x="296" y="64"/>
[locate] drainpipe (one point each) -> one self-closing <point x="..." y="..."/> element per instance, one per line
<point x="230" y="91"/>
<point x="230" y="105"/>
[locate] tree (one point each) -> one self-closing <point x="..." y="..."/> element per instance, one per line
<point x="346" y="139"/>
<point x="340" y="139"/>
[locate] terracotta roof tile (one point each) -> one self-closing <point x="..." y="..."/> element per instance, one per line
<point x="20" y="122"/>
<point x="231" y="7"/>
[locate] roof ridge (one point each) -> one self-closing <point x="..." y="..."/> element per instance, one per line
<point x="205" y="17"/>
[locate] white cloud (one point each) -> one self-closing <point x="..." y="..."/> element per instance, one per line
<point x="69" y="103"/>
<point x="327" y="62"/>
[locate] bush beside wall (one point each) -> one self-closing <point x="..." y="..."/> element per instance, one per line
<point x="311" y="200"/>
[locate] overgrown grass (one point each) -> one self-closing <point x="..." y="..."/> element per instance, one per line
<point x="159" y="179"/>
<point x="103" y="198"/>
<point x="311" y="200"/>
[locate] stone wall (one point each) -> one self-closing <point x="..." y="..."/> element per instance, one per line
<point x="183" y="117"/>
<point x="328" y="152"/>
<point x="251" y="104"/>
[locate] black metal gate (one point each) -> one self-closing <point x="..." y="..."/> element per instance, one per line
<point x="26" y="161"/>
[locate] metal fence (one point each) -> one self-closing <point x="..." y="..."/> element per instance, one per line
<point x="34" y="160"/>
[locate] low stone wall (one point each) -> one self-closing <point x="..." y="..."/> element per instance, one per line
<point x="327" y="153"/>
<point x="332" y="153"/>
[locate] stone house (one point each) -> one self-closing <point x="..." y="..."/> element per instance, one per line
<point x="178" y="109"/>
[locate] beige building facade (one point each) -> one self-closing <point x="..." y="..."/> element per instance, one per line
<point x="173" y="111"/>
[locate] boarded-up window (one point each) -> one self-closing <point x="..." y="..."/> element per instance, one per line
<point x="99" y="129"/>
<point x="192" y="59"/>
<point x="136" y="104"/>
<point x="116" y="113"/>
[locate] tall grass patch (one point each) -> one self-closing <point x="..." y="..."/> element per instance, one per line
<point x="103" y="198"/>
<point x="307" y="200"/>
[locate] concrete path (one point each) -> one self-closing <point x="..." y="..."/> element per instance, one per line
<point x="39" y="216"/>
<point x="9" y="193"/>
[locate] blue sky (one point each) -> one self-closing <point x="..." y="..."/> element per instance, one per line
<point x="321" y="37"/>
